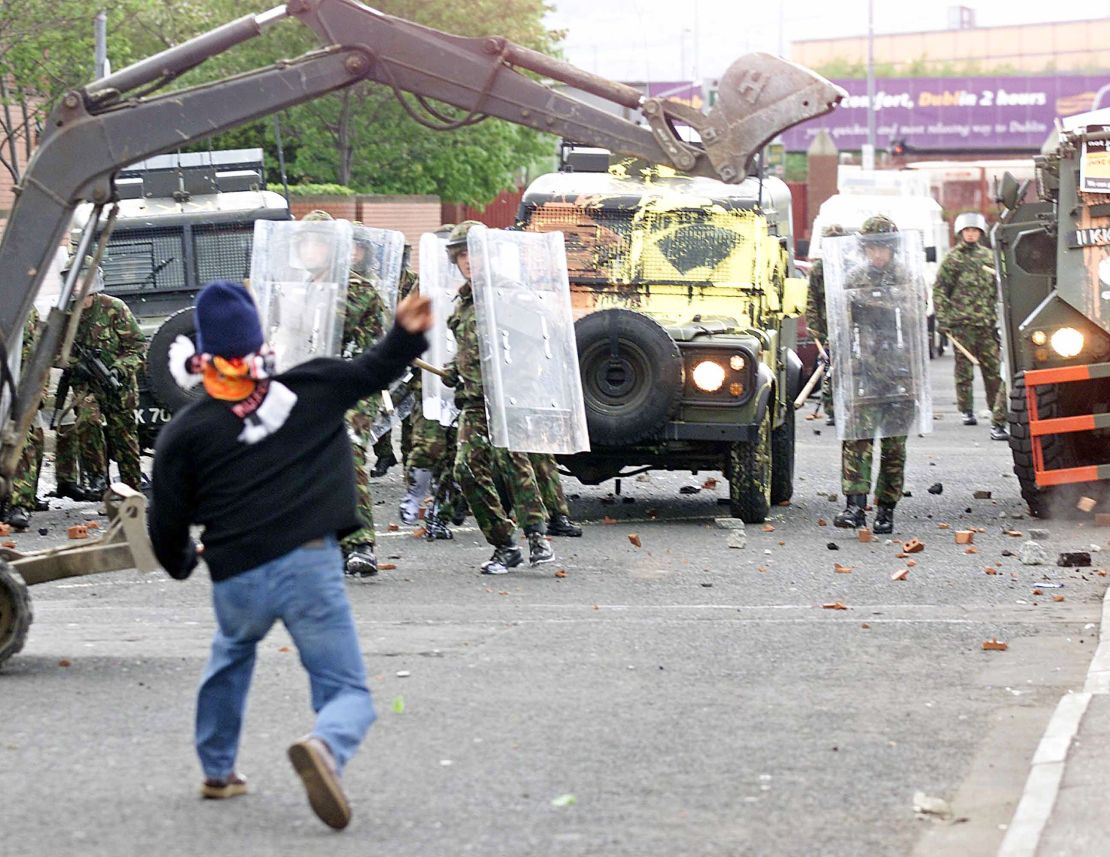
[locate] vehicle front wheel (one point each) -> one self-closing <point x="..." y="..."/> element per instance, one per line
<point x="782" y="458"/>
<point x="749" y="475"/>
<point x="15" y="612"/>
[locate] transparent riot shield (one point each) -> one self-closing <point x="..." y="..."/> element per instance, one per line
<point x="299" y="276"/>
<point x="440" y="280"/>
<point x="875" y="295"/>
<point x="377" y="256"/>
<point x="526" y="341"/>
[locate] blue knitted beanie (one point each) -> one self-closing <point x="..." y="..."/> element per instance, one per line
<point x="227" y="320"/>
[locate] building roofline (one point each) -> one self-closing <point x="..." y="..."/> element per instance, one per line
<point x="1102" y="20"/>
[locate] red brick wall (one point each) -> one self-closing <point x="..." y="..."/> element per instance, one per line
<point x="412" y="215"/>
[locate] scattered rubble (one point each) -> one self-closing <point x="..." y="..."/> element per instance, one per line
<point x="1074" y="559"/>
<point x="924" y="804"/>
<point x="965" y="537"/>
<point x="1086" y="504"/>
<point x="1038" y="535"/>
<point x="982" y="495"/>
<point x="993" y="645"/>
<point x="634" y="538"/>
<point x="901" y="575"/>
<point x="737" y="539"/>
<point x="936" y="488"/>
<point x="865" y="535"/>
<point x="1033" y="553"/>
<point x="913" y="546"/>
<point x="77" y="531"/>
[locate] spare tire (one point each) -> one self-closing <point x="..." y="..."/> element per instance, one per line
<point x="161" y="381"/>
<point x="632" y="375"/>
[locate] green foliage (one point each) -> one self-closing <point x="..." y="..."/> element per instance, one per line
<point x="359" y="137"/>
<point x="308" y="189"/>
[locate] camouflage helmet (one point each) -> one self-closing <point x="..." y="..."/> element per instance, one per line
<point x="878" y="229"/>
<point x="833" y="230"/>
<point x="971" y="220"/>
<point x="456" y="240"/>
<point x="317" y="215"/>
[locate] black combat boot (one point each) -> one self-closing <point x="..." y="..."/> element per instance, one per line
<point x="95" y="490"/>
<point x="382" y="465"/>
<point x="19" y="518"/>
<point x="854" y="515"/>
<point x="70" y="490"/>
<point x="561" y="525"/>
<point x="999" y="433"/>
<point x="884" y="520"/>
<point x="539" y="549"/>
<point x="969" y="418"/>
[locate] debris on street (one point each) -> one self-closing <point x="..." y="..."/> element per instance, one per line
<point x="936" y="488"/>
<point x="993" y="645"/>
<point x="1074" y="559"/>
<point x="1033" y="553"/>
<point x="924" y="804"/>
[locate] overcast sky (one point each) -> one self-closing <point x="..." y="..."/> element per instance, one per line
<point x="681" y="39"/>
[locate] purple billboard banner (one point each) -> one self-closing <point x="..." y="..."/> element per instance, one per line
<point x="957" y="113"/>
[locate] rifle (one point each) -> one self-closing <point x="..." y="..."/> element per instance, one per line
<point x="97" y="371"/>
<point x="60" y="396"/>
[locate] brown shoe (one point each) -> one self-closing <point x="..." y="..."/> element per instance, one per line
<point x="313" y="762"/>
<point x="233" y="786"/>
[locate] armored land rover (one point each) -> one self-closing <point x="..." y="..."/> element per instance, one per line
<point x="685" y="314"/>
<point x="184" y="219"/>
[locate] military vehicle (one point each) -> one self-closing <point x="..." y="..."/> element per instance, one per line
<point x="184" y="219"/>
<point x="685" y="314"/>
<point x="1052" y="257"/>
<point x="96" y="130"/>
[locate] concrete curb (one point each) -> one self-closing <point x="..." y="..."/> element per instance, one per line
<point x="1023" y="836"/>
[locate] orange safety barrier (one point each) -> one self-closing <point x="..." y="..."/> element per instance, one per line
<point x="1039" y="428"/>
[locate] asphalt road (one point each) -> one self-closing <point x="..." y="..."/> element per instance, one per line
<point x="677" y="698"/>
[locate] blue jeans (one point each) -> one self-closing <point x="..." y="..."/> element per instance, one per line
<point x="305" y="589"/>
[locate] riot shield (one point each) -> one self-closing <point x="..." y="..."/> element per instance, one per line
<point x="440" y="280"/>
<point x="377" y="256"/>
<point x="526" y="340"/>
<point x="299" y="280"/>
<point x="875" y="295"/>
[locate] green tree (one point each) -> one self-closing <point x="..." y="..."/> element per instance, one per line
<point x="360" y="137"/>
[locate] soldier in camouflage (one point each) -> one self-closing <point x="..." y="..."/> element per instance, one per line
<point x="24" y="497"/>
<point x="818" y="323"/>
<point x="965" y="296"/>
<point x="480" y="468"/>
<point x="108" y="332"/>
<point x="80" y="453"/>
<point x="363" y="325"/>
<point x="856" y="455"/>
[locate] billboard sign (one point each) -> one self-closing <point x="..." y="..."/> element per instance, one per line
<point x="957" y="113"/>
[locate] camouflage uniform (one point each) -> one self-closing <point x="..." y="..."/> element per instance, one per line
<point x="80" y="453"/>
<point x="25" y="481"/>
<point x="965" y="298"/>
<point x="551" y="485"/>
<point x="818" y="323"/>
<point x="480" y="467"/>
<point x="363" y="325"/>
<point x="109" y="329"/>
<point x="856" y="455"/>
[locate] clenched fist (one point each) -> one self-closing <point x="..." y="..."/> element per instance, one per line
<point x="414" y="314"/>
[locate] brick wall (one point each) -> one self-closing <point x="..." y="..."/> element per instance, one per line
<point x="412" y="215"/>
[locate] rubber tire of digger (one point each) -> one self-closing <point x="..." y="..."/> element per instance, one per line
<point x="633" y="398"/>
<point x="749" y="475"/>
<point x="15" y="612"/>
<point x="782" y="458"/>
<point x="1041" y="501"/>
<point x="162" y="384"/>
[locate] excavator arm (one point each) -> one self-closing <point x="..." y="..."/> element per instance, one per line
<point x="116" y="121"/>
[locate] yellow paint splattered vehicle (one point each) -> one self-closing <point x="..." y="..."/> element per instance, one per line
<point x="684" y="305"/>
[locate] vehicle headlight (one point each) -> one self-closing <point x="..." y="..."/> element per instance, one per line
<point x="1039" y="337"/>
<point x="709" y="376"/>
<point x="1067" y="341"/>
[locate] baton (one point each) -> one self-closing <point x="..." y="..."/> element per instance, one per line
<point x="814" y="380"/>
<point x="428" y="367"/>
<point x="817" y="342"/>
<point x="960" y="347"/>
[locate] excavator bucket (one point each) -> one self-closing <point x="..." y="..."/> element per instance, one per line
<point x="759" y="97"/>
